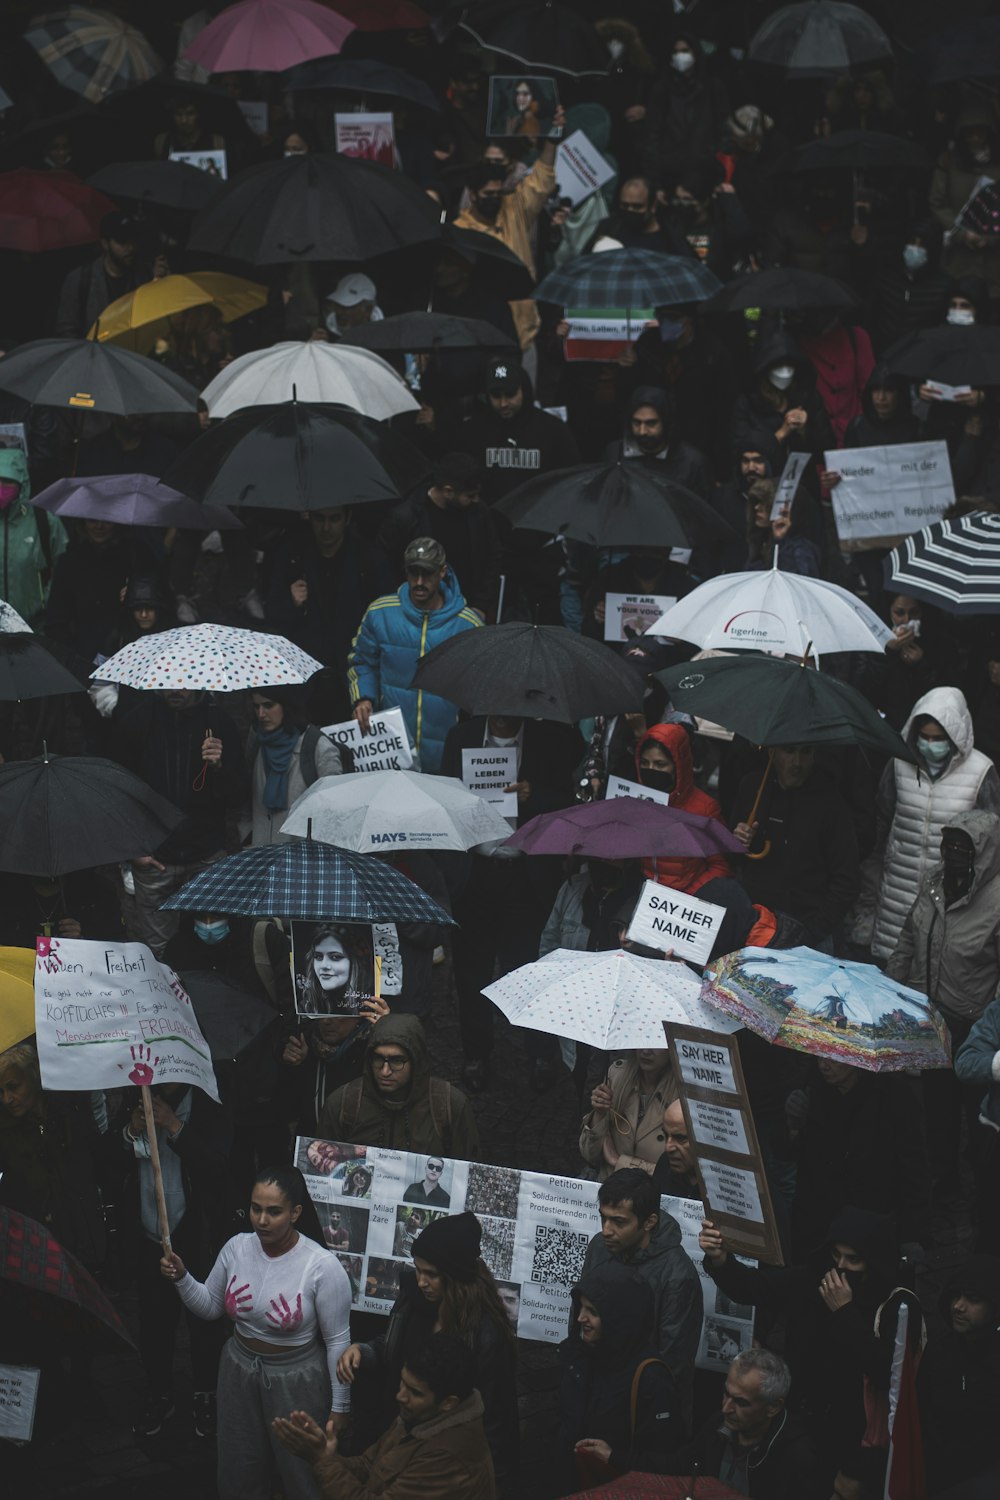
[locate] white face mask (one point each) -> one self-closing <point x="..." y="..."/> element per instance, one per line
<point x="781" y="376"/>
<point x="616" y="47"/>
<point x="983" y="155"/>
<point x="682" y="62"/>
<point x="504" y="742"/>
<point x="962" y="317"/>
<point x="914" y="257"/>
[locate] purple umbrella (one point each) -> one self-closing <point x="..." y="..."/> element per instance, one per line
<point x="623" y="828"/>
<point x="132" y="500"/>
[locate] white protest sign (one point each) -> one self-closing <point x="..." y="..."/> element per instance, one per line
<point x="18" y="1397"/>
<point x="619" y="787"/>
<point x="386" y="746"/>
<point x="942" y="392"/>
<point x="580" y="168"/>
<point x="889" y="492"/>
<point x="707" y="1065"/>
<point x="732" y="1190"/>
<point x="370" y="137"/>
<point x="787" y="486"/>
<point x="109" y="1014"/>
<point x="627" y="616"/>
<point x="486" y="772"/>
<point x="670" y="920"/>
<point x="255" y="112"/>
<point x="715" y="1125"/>
<point x="212" y="162"/>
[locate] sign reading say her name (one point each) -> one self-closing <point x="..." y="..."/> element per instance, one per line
<point x="887" y="493"/>
<point x="109" y="1014"/>
<point x="386" y="746"/>
<point x="675" y="922"/>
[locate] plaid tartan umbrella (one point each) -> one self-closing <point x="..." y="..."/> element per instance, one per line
<point x="953" y="564"/>
<point x="91" y="51"/>
<point x="38" y="1278"/>
<point x="307" y="880"/>
<point x="629" y="279"/>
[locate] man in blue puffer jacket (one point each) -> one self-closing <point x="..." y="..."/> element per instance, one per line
<point x="395" y="632"/>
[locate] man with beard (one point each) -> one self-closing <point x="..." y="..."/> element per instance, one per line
<point x="92" y="287"/>
<point x="650" y="434"/>
<point x="452" y="511"/>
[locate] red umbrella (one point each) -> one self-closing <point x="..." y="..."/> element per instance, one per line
<point x="48" y="211"/>
<point x="674" y="1486"/>
<point x="40" y="1281"/>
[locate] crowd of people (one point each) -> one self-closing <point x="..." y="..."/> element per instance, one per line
<point x="718" y="164"/>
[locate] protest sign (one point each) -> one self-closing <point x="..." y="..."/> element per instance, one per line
<point x="367" y="137"/>
<point x="333" y="967"/>
<point x="372" y="1203"/>
<point x="600" y="335"/>
<point x="942" y="392"/>
<point x="522" y="105"/>
<point x="255" y="112"/>
<point x="723" y="1139"/>
<point x="212" y="162"/>
<point x="386" y="746"/>
<point x="888" y="493"/>
<point x="580" y="168"/>
<point x="674" y="922"/>
<point x="18" y="1398"/>
<point x="14" y="435"/>
<point x="629" y="615"/>
<point x="109" y="1014"/>
<point x="788" y="485"/>
<point x="486" y="772"/>
<point x="619" y="787"/>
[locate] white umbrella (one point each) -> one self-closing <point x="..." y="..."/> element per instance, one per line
<point x="11" y="623"/>
<point x="312" y="371"/>
<point x="208" y="658"/>
<point x="375" y="811"/>
<point x="609" y="999"/>
<point x="773" y="611"/>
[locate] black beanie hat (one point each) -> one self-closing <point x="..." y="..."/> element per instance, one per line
<point x="452" y="1245"/>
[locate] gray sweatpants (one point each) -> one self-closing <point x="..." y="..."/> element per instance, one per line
<point x="253" y="1389"/>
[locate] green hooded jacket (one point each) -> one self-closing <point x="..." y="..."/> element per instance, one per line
<point x="25" y="567"/>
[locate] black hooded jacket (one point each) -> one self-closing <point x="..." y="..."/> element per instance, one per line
<point x="756" y="420"/>
<point x="681" y="462"/>
<point x="958" y="1382"/>
<point x="868" y="429"/>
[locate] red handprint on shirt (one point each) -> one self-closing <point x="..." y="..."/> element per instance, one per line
<point x="238" y="1299"/>
<point x="142" y="1073"/>
<point x="283" y="1316"/>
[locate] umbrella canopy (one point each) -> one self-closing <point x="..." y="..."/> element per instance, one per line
<point x="860" y="150"/>
<point x="818" y="39"/>
<point x="505" y="273"/>
<point x="955" y="356"/>
<point x="62" y="813"/>
<point x="423" y="332"/>
<point x="138" y="319"/>
<point x="953" y="564"/>
<point x="773" y="611"/>
<point x="28" y="670"/>
<point x="171" y="184"/>
<point x="361" y="75"/>
<point x="609" y="1000"/>
<point x="373" y="811"/>
<point x="41" y="1278"/>
<point x="48" y="211"/>
<point x="92" y="52"/>
<point x="625" y="828"/>
<point x="624" y="504"/>
<point x="286" y="456"/>
<point x="268" y="36"/>
<point x="82" y="375"/>
<point x="628" y="279"/>
<point x="308" y="880"/>
<point x="229" y="1016"/>
<point x="811" y="1002"/>
<point x="771" y="702"/>
<point x="382" y="15"/>
<point x="312" y="371"/>
<point x="132" y="500"/>
<point x="783" y="289"/>
<point x="11" y="623"/>
<point x="17" y="995"/>
<point x="314" y="207"/>
<point x="546" y="38"/>
<point x="531" y="672"/>
<point x="208" y="658"/>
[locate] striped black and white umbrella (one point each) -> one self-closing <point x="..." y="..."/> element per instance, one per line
<point x="953" y="564"/>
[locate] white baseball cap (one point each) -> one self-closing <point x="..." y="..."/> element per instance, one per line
<point x="352" y="289"/>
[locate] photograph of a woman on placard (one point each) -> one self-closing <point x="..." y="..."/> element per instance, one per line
<point x="520" y="106"/>
<point x="333" y="968"/>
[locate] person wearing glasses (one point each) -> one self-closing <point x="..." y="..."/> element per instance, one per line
<point x="429" y="1190"/>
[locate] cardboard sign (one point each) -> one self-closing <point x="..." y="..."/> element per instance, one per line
<point x="367" y="137"/>
<point x="212" y="162"/>
<point x="580" y="169"/>
<point x="671" y="921"/>
<point x="386" y="746"/>
<point x="486" y="772"/>
<point x="627" y="616"/>
<point x="109" y="1014"/>
<point x="723" y="1140"/>
<point x="600" y="335"/>
<point x="18" y="1399"/>
<point x="888" y="493"/>
<point x="791" y="475"/>
<point x="619" y="787"/>
<point x="522" y="106"/>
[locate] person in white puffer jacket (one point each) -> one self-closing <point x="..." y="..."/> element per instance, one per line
<point x="914" y="804"/>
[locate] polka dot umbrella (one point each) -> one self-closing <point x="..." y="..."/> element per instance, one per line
<point x="208" y="658"/>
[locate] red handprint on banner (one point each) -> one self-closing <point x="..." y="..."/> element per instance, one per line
<point x="142" y="1073"/>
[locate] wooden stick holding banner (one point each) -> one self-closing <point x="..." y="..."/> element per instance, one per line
<point x="154" y="1158"/>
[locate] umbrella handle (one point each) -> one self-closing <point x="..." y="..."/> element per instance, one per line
<point x="751" y="816"/>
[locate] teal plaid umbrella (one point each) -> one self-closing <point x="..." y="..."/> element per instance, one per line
<point x="308" y="880"/>
<point x="91" y="51"/>
<point x="628" y="279"/>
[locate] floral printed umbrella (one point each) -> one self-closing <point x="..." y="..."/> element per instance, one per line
<point x="208" y="658"/>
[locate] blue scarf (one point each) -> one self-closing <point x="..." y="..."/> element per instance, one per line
<point x="276" y="748"/>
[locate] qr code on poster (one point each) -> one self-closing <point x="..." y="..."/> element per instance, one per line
<point x="559" y="1255"/>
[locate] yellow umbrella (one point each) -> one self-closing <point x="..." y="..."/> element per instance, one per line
<point x="138" y="319"/>
<point x="17" y="995"/>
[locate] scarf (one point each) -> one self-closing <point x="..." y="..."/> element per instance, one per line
<point x="276" y="747"/>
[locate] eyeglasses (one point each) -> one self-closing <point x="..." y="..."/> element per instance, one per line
<point x="435" y="1166"/>
<point x="394" y="1064"/>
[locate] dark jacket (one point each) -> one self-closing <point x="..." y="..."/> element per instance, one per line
<point x="470" y="536"/>
<point x="782" y="1465"/>
<point x="511" y="451"/>
<point x="958" y="1382"/>
<point x="340" y="590"/>
<point x="702" y="380"/>
<point x="549" y="756"/>
<point x="85" y="599"/>
<point x="756" y="420"/>
<point x="684" y="119"/>
<point x="868" y="430"/>
<point x="87" y="291"/>
<point x="678" y="460"/>
<point x="446" y="1458"/>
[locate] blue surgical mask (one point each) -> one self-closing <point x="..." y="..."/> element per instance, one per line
<point x="914" y="257"/>
<point x="212" y="932"/>
<point x="934" y="751"/>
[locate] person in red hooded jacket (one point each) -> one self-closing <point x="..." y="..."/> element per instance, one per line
<point x="664" y="762"/>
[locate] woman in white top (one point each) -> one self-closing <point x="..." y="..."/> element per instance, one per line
<point x="288" y="1297"/>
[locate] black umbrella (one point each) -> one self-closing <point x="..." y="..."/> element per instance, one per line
<point x="954" y="356"/>
<point x="171" y="184"/>
<point x="360" y="75"/>
<point x="84" y="375"/>
<point x="62" y="813"/>
<point x="423" y="332"/>
<point x="298" y="455"/>
<point x="783" y="289"/>
<point x="27" y="670"/>
<point x="314" y="207"/>
<point x="532" y="672"/>
<point x="623" y="504"/>
<point x="506" y="273"/>
<point x="546" y="38"/>
<point x="818" y="39"/>
<point x="230" y="1016"/>
<point x="861" y="150"/>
